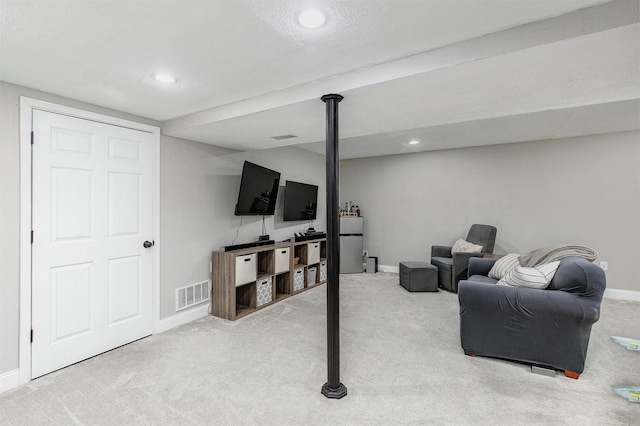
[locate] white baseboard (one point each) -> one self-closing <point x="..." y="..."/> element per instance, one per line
<point x="612" y="293"/>
<point x="388" y="268"/>
<point x="182" y="318"/>
<point x="9" y="380"/>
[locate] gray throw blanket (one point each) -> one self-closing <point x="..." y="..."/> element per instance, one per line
<point x="553" y="253"/>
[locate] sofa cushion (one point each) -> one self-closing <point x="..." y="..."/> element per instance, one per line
<point x="504" y="265"/>
<point x="482" y="279"/>
<point x="463" y="246"/>
<point x="443" y="262"/>
<point x="537" y="277"/>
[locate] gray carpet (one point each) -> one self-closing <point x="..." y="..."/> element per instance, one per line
<point x="401" y="362"/>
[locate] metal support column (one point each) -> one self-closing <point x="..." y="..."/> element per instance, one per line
<point x="333" y="388"/>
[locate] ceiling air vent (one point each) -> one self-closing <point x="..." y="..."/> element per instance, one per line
<point x="283" y="137"/>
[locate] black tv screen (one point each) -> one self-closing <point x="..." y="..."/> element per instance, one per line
<point x="258" y="190"/>
<point x="300" y="201"/>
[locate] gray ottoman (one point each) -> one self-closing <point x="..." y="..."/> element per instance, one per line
<point x="418" y="276"/>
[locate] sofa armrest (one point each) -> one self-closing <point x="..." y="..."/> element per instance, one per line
<point x="528" y="302"/>
<point x="461" y="265"/>
<point x="440" y="251"/>
<point x="461" y="261"/>
<point x="480" y="266"/>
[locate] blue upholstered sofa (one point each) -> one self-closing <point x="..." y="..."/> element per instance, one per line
<point x="546" y="328"/>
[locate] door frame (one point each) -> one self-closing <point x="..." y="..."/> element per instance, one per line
<point x="27" y="106"/>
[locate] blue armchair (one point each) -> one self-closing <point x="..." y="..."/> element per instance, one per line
<point x="452" y="267"/>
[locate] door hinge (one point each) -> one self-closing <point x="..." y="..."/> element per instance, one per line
<point x="31" y="336"/>
<point x="32" y="137"/>
<point x="31" y="237"/>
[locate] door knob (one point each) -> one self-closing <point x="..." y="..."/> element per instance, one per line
<point x="148" y="244"/>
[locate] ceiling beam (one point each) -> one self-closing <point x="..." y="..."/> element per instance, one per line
<point x="200" y="126"/>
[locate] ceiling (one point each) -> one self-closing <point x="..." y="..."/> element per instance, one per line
<point x="450" y="74"/>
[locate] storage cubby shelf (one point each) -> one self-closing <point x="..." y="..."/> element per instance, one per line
<point x="264" y="275"/>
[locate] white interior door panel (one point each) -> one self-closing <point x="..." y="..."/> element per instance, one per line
<point x="92" y="212"/>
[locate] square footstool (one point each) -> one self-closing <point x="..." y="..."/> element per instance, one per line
<point x="418" y="276"/>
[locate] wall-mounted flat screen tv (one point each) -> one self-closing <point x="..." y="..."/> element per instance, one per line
<point x="258" y="190"/>
<point x="300" y="201"/>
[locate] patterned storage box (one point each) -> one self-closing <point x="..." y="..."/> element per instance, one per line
<point x="264" y="291"/>
<point x="298" y="279"/>
<point x="323" y="271"/>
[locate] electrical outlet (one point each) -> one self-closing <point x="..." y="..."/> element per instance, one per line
<point x="365" y="253"/>
<point x="604" y="266"/>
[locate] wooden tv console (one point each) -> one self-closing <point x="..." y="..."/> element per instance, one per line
<point x="249" y="279"/>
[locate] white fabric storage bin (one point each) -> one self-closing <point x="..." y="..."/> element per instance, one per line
<point x="264" y="291"/>
<point x="313" y="253"/>
<point x="323" y="270"/>
<point x="298" y="279"/>
<point x="282" y="260"/>
<point x="246" y="269"/>
<point x="311" y="275"/>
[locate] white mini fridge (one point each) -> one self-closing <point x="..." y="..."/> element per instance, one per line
<point x="351" y="245"/>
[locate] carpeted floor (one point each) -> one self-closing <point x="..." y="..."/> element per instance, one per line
<point x="401" y="362"/>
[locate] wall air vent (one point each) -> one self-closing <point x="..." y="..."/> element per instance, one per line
<point x="283" y="137"/>
<point x="191" y="295"/>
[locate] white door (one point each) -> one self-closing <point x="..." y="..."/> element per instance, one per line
<point x="92" y="212"/>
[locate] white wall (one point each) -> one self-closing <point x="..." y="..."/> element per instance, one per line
<point x="199" y="189"/>
<point x="9" y="229"/>
<point x="580" y="190"/>
<point x="10" y="212"/>
<point x="583" y="190"/>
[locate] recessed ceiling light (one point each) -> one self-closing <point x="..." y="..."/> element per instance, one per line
<point x="165" y="78"/>
<point x="414" y="142"/>
<point x="311" y="18"/>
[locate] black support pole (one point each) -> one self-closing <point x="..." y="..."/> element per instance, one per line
<point x="333" y="388"/>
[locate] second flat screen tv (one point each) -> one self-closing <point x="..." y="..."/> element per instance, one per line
<point x="300" y="201"/>
<point x="258" y="190"/>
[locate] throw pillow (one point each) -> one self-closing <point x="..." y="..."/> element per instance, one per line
<point x="504" y="265"/>
<point x="462" y="246"/>
<point x="537" y="277"/>
<point x="548" y="269"/>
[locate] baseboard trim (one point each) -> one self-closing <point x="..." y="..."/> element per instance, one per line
<point x="609" y="293"/>
<point x="9" y="380"/>
<point x="389" y="268"/>
<point x="612" y="293"/>
<point x="182" y="318"/>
